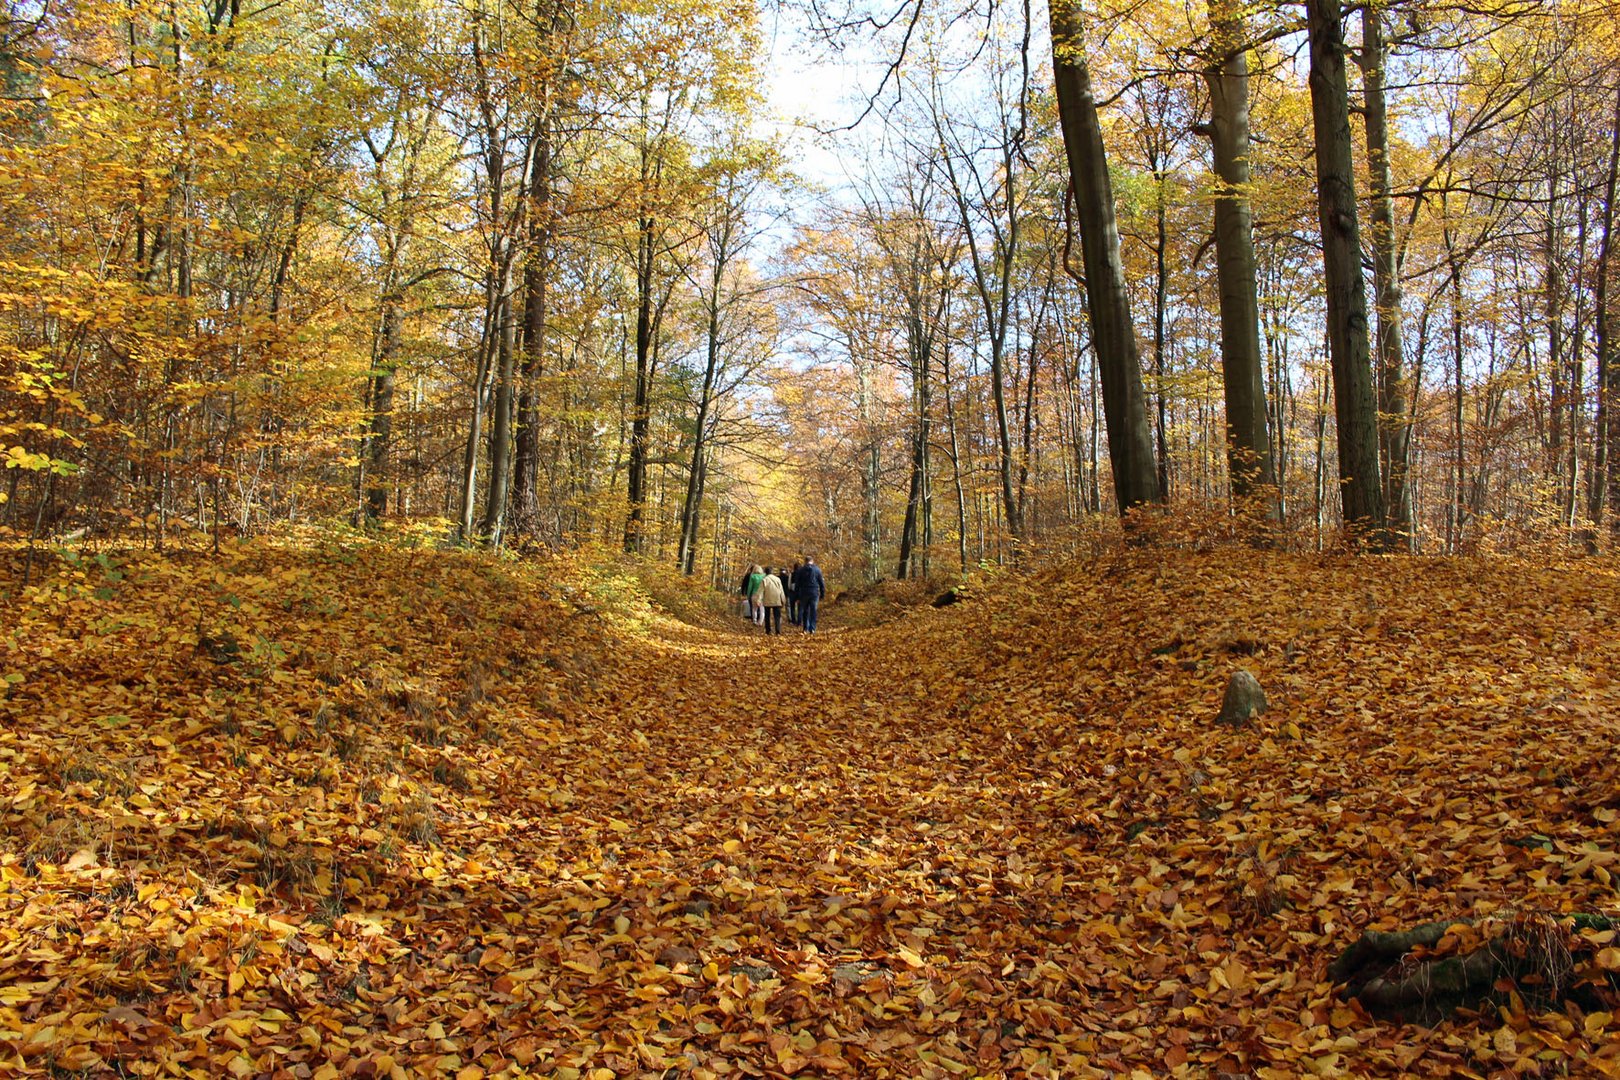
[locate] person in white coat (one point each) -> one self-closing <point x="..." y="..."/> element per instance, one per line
<point x="772" y="597"/>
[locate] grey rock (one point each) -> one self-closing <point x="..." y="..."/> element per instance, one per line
<point x="859" y="971"/>
<point x="1244" y="699"/>
<point x="758" y="972"/>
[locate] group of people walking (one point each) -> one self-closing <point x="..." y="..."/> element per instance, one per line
<point x="799" y="590"/>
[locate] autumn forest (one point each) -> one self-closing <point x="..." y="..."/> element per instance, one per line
<point x="1204" y="416"/>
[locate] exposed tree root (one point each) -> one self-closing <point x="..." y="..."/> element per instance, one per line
<point x="1425" y="974"/>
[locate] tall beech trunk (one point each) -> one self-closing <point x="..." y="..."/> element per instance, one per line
<point x="690" y="566"/>
<point x="1130" y="437"/>
<point x="500" y="426"/>
<point x="380" y="428"/>
<point x="1552" y="291"/>
<point x="475" y="426"/>
<point x="914" y="531"/>
<point x="956" y="460"/>
<point x="1355" y="410"/>
<point x="871" y="465"/>
<point x="1248" y="441"/>
<point x="693" y="501"/>
<point x="1394" y="430"/>
<point x="1459" y="458"/>
<point x="1161" y="304"/>
<point x="1608" y="360"/>
<point x="641" y="407"/>
<point x="525" y="509"/>
<point x="556" y="16"/>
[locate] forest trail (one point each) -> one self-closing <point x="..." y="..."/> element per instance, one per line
<point x="399" y="810"/>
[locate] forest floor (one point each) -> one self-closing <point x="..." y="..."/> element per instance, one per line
<point x="354" y="809"/>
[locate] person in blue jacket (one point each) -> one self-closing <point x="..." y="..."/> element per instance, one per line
<point x="808" y="589"/>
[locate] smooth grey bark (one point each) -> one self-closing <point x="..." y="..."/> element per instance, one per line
<point x="557" y="18"/>
<point x="1459" y="463"/>
<point x="475" y="427"/>
<point x="1248" y="441"/>
<point x="956" y="459"/>
<point x="380" y="426"/>
<point x="992" y="270"/>
<point x="1552" y="291"/>
<point x="1577" y="370"/>
<point x="1607" y="469"/>
<point x="525" y="502"/>
<point x="1355" y="410"/>
<point x="871" y="464"/>
<point x="913" y="530"/>
<point x="497" y="281"/>
<point x="1027" y="459"/>
<point x="641" y="407"/>
<point x="917" y="261"/>
<point x="1394" y="429"/>
<point x="1161" y="303"/>
<point x="692" y="502"/>
<point x="721" y="250"/>
<point x="1130" y="438"/>
<point x="500" y="426"/>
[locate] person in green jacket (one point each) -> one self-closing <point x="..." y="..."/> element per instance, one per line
<point x="751" y="589"/>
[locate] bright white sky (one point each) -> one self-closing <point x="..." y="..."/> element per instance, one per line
<point x="807" y="90"/>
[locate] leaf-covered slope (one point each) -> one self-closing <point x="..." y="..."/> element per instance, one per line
<point x="367" y="810"/>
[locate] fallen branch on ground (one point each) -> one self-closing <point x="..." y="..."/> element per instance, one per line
<point x="1428" y="972"/>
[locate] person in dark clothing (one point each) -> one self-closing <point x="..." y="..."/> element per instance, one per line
<point x="809" y="586"/>
<point x="788" y="587"/>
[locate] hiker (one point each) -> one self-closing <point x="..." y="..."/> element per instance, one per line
<point x="747" y="609"/>
<point x="788" y="578"/>
<point x="810" y="587"/>
<point x="752" y="587"/>
<point x="772" y="596"/>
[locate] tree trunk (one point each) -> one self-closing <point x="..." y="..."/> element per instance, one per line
<point x="1026" y="457"/>
<point x="1130" y="438"/>
<point x="525" y="512"/>
<point x="380" y="427"/>
<point x="1577" y="376"/>
<point x="912" y="532"/>
<point x="1161" y="301"/>
<point x="871" y="467"/>
<point x="1609" y="376"/>
<point x="1355" y="411"/>
<point x="475" y="428"/>
<point x="1004" y="461"/>
<point x="1552" y="289"/>
<point x="500" y="427"/>
<point x="1248" y="442"/>
<point x="956" y="461"/>
<point x="1394" y="430"/>
<point x="640" y="410"/>
<point x="1454" y="517"/>
<point x="694" y="476"/>
<point x="556" y="16"/>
